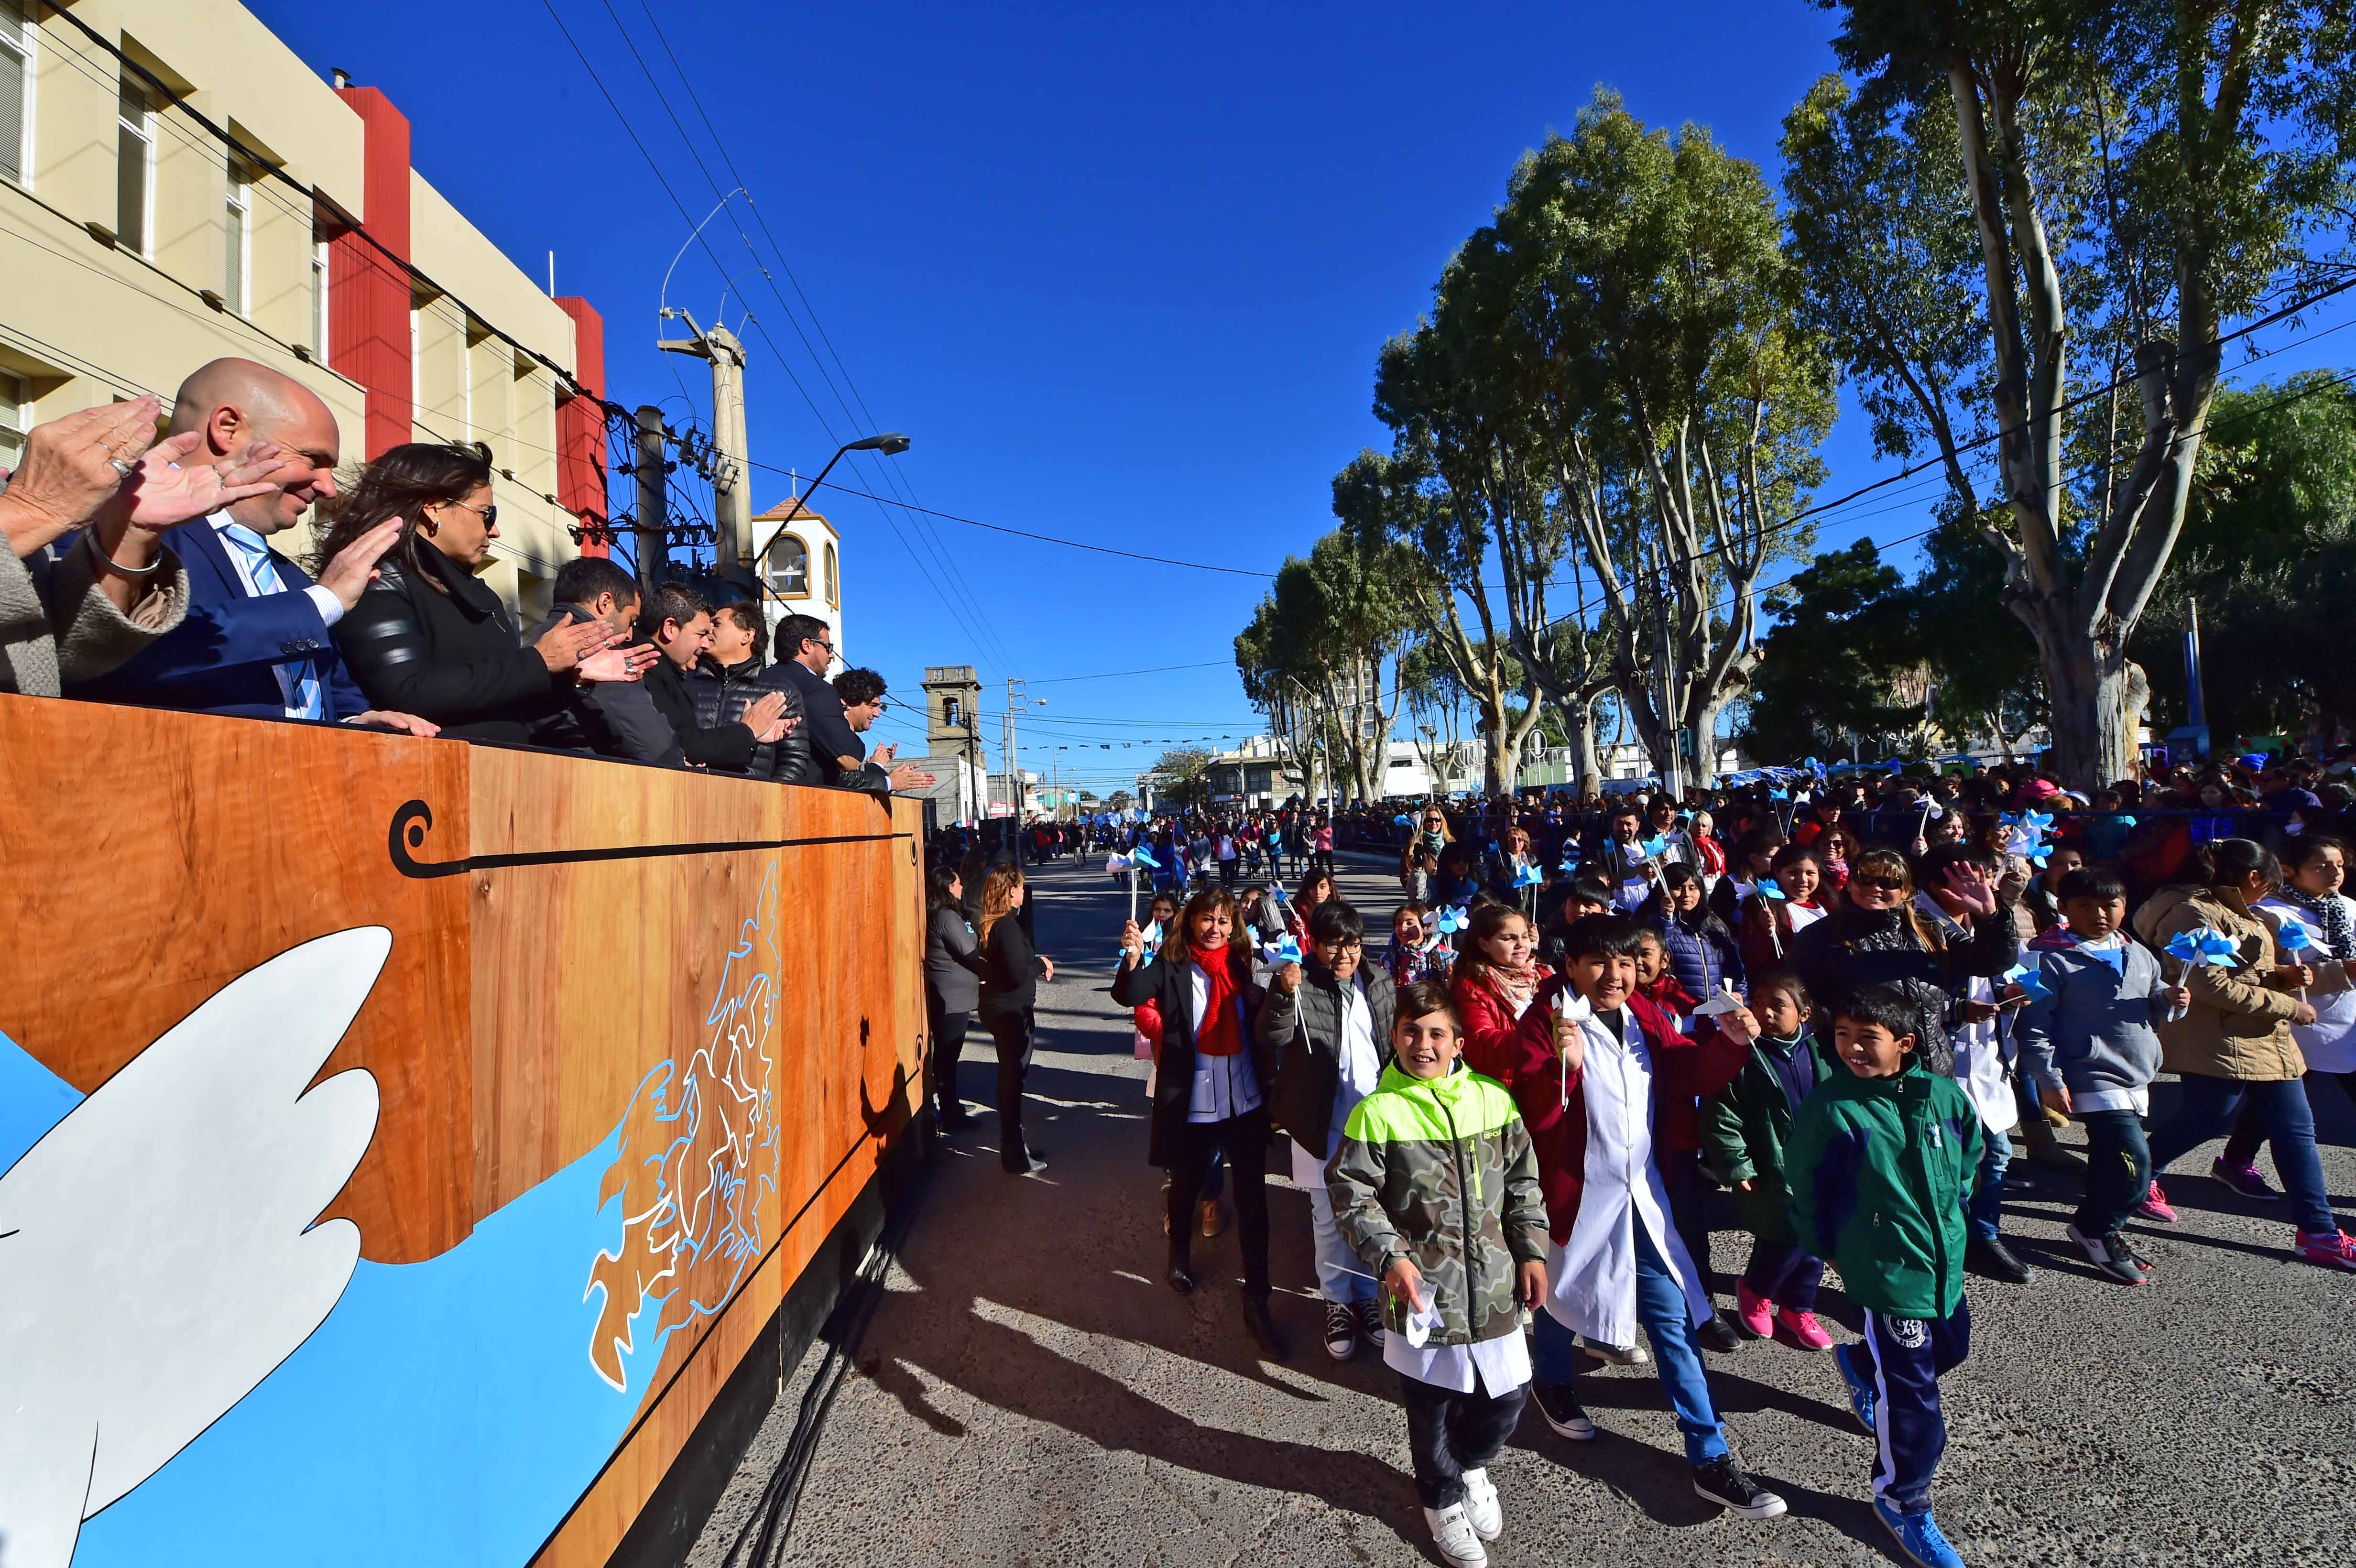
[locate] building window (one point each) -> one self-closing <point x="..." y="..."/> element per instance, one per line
<point x="16" y="94"/>
<point x="134" y="168"/>
<point x="237" y="227"/>
<point x="13" y="421"/>
<point x="787" y="565"/>
<point x="319" y="297"/>
<point x="833" y="596"/>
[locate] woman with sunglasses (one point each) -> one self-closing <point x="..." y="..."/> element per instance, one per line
<point x="1875" y="936"/>
<point x="429" y="637"/>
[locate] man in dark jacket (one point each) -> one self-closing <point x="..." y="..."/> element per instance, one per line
<point x="611" y="719"/>
<point x="732" y="675"/>
<point x="1328" y="1020"/>
<point x="805" y="653"/>
<point x="682" y="627"/>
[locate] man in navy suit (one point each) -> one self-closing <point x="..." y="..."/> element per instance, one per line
<point x="256" y="639"/>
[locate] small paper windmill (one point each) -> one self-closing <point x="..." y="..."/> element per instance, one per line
<point x="1144" y="857"/>
<point x="1656" y="846"/>
<point x="1529" y="877"/>
<point x="1285" y="951"/>
<point x="2203" y="945"/>
<point x="2294" y="940"/>
<point x="1569" y="863"/>
<point x="1451" y="920"/>
<point x="1725" y="1001"/>
<point x="1403" y="820"/>
<point x="2031" y="983"/>
<point x="1768" y="888"/>
<point x="1151" y="935"/>
<point x="1116" y="864"/>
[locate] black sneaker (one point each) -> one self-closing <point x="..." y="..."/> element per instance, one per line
<point x="1562" y="1411"/>
<point x="1370" y="1325"/>
<point x="1031" y="1165"/>
<point x="1341" y="1331"/>
<point x="1721" y="1481"/>
<point x="1717" y="1335"/>
<point x="1261" y="1328"/>
<point x="1994" y="1259"/>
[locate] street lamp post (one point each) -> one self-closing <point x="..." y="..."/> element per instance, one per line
<point x="890" y="444"/>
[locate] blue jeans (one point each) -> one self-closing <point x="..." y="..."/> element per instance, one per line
<point x="1985" y="1210"/>
<point x="2208" y="1111"/>
<point x="1341" y="1276"/>
<point x="1661" y="1308"/>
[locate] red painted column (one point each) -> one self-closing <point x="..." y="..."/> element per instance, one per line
<point x="368" y="292"/>
<point x="581" y="425"/>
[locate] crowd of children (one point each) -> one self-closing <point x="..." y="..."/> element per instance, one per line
<point x="1511" y="1116"/>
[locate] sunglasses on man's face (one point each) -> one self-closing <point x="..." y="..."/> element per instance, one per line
<point x="1887" y="884"/>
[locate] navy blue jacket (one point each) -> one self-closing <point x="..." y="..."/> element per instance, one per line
<point x="1699" y="956"/>
<point x="224" y="658"/>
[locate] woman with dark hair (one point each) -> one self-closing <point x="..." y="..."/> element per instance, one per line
<point x="953" y="971"/>
<point x="428" y="636"/>
<point x="1701" y="951"/>
<point x="1766" y="925"/>
<point x="1211" y="1085"/>
<point x="2235" y="1046"/>
<point x="1011" y="971"/>
<point x="1876" y="935"/>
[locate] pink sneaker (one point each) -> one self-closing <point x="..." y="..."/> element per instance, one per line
<point x="2337" y="1250"/>
<point x="1753" y="1311"/>
<point x="1804" y="1329"/>
<point x="2154" y="1206"/>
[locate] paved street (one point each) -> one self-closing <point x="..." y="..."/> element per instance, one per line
<point x="1029" y="1392"/>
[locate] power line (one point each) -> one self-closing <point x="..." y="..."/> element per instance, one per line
<point x="1120" y="673"/>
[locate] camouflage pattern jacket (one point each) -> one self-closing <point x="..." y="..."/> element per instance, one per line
<point x="1440" y="1171"/>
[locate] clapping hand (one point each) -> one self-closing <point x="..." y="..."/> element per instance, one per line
<point x="68" y="474"/>
<point x="615" y="664"/>
<point x="562" y="647"/>
<point x="160" y="494"/>
<point x="762" y="715"/>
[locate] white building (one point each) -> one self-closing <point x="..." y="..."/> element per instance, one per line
<point x="801" y="565"/>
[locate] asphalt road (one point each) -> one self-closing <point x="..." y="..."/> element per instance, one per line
<point x="1030" y="1394"/>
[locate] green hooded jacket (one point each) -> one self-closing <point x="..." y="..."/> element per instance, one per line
<point x="1744" y="1128"/>
<point x="1879" y="1170"/>
<point x="1440" y="1171"/>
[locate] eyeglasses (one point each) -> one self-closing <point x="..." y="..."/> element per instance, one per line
<point x="490" y="514"/>
<point x="1887" y="884"/>
<point x="1347" y="945"/>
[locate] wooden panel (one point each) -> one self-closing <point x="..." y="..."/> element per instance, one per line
<point x="152" y="857"/>
<point x="707" y="989"/>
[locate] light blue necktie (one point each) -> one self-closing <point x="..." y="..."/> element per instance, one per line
<point x="298" y="684"/>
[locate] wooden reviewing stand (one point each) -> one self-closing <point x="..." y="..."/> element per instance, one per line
<point x="573" y="943"/>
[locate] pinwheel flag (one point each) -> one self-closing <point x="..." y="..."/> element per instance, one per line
<point x="2293" y="937"/>
<point x="2203" y="945"/>
<point x="1144" y="857"/>
<point x="1768" y="888"/>
<point x="1656" y="846"/>
<point x="1403" y="820"/>
<point x="1451" y="920"/>
<point x="1285" y="951"/>
<point x="1529" y="877"/>
<point x="2031" y="983"/>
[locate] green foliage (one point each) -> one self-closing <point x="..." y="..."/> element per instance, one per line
<point x="1843" y="636"/>
<point x="1182" y="776"/>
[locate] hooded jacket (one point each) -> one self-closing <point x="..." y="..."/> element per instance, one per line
<point x="2237" y="1027"/>
<point x="1880" y="1169"/>
<point x="1440" y="1171"/>
<point x="1747" y="1127"/>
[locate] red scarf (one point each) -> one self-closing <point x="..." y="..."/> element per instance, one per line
<point x="1220" y="1033"/>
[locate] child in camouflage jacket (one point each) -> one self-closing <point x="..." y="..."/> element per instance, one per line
<point x="1435" y="1186"/>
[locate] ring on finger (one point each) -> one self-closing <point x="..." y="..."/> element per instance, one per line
<point x="125" y="469"/>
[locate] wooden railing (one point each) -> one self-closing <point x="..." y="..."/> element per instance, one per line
<point x="636" y="1038"/>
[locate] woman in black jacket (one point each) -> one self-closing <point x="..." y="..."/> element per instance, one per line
<point x="428" y="636"/>
<point x="1210" y="1092"/>
<point x="1011" y="970"/>
<point x="953" y="971"/>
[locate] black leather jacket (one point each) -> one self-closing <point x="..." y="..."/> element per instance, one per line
<point x="449" y="653"/>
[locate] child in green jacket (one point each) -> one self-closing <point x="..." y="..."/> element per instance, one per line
<point x="1435" y="1186"/>
<point x="1880" y="1162"/>
<point x="1745" y="1128"/>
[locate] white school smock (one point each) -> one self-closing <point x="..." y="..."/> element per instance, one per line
<point x="1591" y="1277"/>
<point x="1503" y="1363"/>
<point x="2329" y="1042"/>
<point x="1980" y="1068"/>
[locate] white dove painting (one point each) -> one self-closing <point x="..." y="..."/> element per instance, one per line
<point x="160" y="1236"/>
<point x="207" y="1376"/>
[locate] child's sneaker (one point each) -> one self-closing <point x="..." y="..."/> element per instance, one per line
<point x="1861" y="1388"/>
<point x="1753" y="1313"/>
<point x="1451" y="1531"/>
<point x="1370" y="1325"/>
<point x="1482" y="1506"/>
<point x="1562" y="1411"/>
<point x="2337" y="1250"/>
<point x="1618" y="1355"/>
<point x="2114" y="1261"/>
<point x="1804" y="1331"/>
<point x="2153" y="1205"/>
<point x="1918" y="1537"/>
<point x="2243" y="1179"/>
<point x="1723" y="1482"/>
<point x="1341" y="1331"/>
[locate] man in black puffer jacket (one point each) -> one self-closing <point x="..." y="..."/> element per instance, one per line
<point x="681" y="620"/>
<point x="732" y="675"/>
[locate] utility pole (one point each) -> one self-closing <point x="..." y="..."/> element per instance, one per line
<point x="1014" y="695"/>
<point x="731" y="500"/>
<point x="653" y="524"/>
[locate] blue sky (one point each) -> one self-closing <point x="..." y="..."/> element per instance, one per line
<point x="1120" y="272"/>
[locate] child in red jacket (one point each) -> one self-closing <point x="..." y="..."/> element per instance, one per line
<point x="1597" y="1068"/>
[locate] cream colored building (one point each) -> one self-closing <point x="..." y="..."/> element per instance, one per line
<point x="176" y="186"/>
<point x="801" y="557"/>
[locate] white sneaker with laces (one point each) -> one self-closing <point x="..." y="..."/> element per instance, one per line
<point x="1451" y="1531"/>
<point x="1482" y="1506"/>
<point x="1617" y="1355"/>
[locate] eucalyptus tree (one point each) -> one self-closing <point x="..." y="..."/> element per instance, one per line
<point x="1643" y="319"/>
<point x="2125" y="173"/>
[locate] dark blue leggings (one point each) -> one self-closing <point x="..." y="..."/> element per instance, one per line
<point x="2209" y="1107"/>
